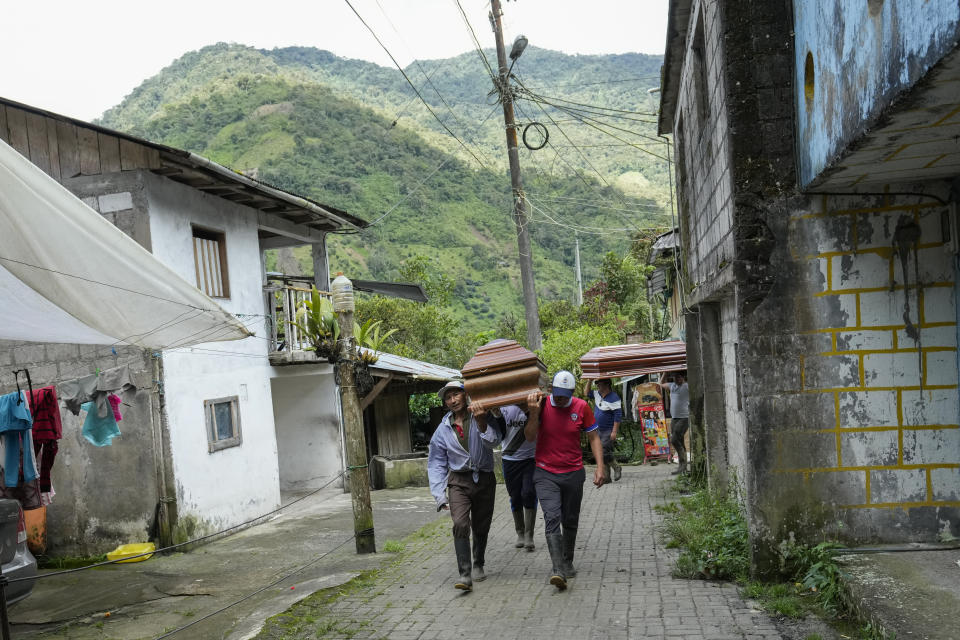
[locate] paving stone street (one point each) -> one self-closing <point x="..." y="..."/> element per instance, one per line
<point x="623" y="589"/>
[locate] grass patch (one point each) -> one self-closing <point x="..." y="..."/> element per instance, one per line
<point x="709" y="529"/>
<point x="313" y="617"/>
<point x="393" y="546"/>
<point x="60" y="563"/>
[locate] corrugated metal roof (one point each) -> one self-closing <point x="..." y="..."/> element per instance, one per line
<point x="412" y="368"/>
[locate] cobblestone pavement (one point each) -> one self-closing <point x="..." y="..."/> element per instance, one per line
<point x="623" y="588"/>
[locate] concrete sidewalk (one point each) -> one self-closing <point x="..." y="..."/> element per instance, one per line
<point x="151" y="598"/>
<point x="623" y="588"/>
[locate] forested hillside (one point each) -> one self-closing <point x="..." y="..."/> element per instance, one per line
<point x="347" y="133"/>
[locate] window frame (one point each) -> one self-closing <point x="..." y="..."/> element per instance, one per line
<point x="215" y="444"/>
<point x="198" y="232"/>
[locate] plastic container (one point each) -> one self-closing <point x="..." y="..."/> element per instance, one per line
<point x="341" y="290"/>
<point x="128" y="550"/>
<point x="36" y="523"/>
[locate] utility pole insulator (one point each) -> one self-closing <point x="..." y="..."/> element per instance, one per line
<point x="531" y="312"/>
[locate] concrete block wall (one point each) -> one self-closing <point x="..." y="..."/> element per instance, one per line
<point x="851" y="374"/>
<point x="96" y="506"/>
<point x="737" y="460"/>
<point x="703" y="150"/>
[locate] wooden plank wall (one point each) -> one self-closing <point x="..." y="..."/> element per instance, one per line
<point x="64" y="150"/>
<point x="393" y="424"/>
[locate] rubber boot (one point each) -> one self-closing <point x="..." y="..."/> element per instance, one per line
<point x="617" y="471"/>
<point x="606" y="474"/>
<point x="462" y="547"/>
<point x="518" y="522"/>
<point x="569" y="542"/>
<point x="555" y="546"/>
<point x="529" y="522"/>
<point x="479" y="549"/>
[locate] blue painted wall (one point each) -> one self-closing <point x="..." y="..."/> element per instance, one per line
<point x="865" y="53"/>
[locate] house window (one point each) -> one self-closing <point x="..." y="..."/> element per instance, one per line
<point x="210" y="262"/>
<point x="223" y="423"/>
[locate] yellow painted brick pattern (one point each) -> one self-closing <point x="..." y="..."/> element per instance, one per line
<point x="875" y="351"/>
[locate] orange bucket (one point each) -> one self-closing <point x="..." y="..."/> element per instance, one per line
<point x="36" y="521"/>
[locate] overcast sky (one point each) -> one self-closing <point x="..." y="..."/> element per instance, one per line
<point x="81" y="58"/>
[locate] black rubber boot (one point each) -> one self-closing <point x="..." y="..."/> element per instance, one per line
<point x="462" y="547"/>
<point x="569" y="542"/>
<point x="529" y="522"/>
<point x="555" y="546"/>
<point x="479" y="549"/>
<point x="518" y="517"/>
<point x="617" y="470"/>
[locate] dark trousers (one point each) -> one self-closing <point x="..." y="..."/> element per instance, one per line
<point x="518" y="476"/>
<point x="471" y="504"/>
<point x="607" y="443"/>
<point x="560" y="495"/>
<point x="678" y="429"/>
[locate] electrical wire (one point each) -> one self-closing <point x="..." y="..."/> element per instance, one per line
<point x="429" y="80"/>
<point x="257" y="592"/>
<point x="476" y="42"/>
<point x="416" y="188"/>
<point x="52" y="574"/>
<point x="410" y="82"/>
<point x="105" y="284"/>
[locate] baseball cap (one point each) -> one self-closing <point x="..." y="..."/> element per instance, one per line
<point x="563" y="384"/>
<point x="453" y="385"/>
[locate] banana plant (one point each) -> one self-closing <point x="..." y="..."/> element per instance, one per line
<point x="368" y="335"/>
<point x="317" y="321"/>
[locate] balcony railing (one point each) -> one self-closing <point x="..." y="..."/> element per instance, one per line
<point x="284" y="295"/>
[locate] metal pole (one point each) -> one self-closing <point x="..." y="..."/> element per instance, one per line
<point x="519" y="200"/>
<point x="4" y="618"/>
<point x="579" y="275"/>
<point x="356" y="446"/>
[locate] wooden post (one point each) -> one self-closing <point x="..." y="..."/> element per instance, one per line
<point x="356" y="446"/>
<point x="525" y="256"/>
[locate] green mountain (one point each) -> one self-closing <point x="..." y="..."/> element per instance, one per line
<point x="352" y="134"/>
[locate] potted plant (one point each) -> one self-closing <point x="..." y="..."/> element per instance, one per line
<point x="317" y="320"/>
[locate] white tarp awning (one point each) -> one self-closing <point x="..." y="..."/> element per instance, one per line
<point x="68" y="275"/>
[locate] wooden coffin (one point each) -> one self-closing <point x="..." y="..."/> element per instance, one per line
<point x="634" y="359"/>
<point x="503" y="372"/>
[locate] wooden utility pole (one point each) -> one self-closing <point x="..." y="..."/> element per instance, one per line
<point x="357" y="472"/>
<point x="579" y="276"/>
<point x="519" y="200"/>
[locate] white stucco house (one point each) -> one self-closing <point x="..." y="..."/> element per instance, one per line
<point x="218" y="430"/>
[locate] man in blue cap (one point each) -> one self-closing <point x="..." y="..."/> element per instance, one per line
<point x="555" y="424"/>
<point x="460" y="468"/>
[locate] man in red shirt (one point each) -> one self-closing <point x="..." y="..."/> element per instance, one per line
<point x="555" y="424"/>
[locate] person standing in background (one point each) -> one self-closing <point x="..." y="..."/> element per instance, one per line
<point x="679" y="418"/>
<point x="609" y="414"/>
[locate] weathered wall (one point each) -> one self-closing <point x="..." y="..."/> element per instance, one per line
<point x="96" y="506"/>
<point x="736" y="427"/>
<point x="229" y="486"/>
<point x="703" y="175"/>
<point x="862" y="56"/>
<point x="306" y="411"/>
<point x="850" y="374"/>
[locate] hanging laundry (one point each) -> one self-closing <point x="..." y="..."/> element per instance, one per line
<point x="19" y="464"/>
<point x="115" y="402"/>
<point x="96" y="387"/>
<point x="99" y="430"/>
<point x="47" y="429"/>
<point x="75" y="392"/>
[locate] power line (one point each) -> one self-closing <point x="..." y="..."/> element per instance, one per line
<point x="429" y="79"/>
<point x="476" y="41"/>
<point x="410" y="82"/>
<point x="614" y="81"/>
